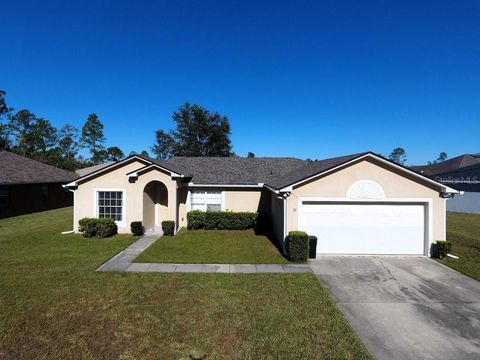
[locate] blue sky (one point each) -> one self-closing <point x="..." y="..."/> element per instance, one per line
<point x="311" y="79"/>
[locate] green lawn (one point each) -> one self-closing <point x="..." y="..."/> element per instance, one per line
<point x="213" y="247"/>
<point x="53" y="305"/>
<point x="463" y="230"/>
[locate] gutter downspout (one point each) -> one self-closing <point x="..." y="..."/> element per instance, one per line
<point x="285" y="218"/>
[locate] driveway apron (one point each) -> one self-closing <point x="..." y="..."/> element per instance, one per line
<point x="405" y="308"/>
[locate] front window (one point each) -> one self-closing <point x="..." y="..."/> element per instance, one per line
<point x="206" y="200"/>
<point x="110" y="204"/>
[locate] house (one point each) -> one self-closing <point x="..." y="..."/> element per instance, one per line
<point x="355" y="204"/>
<point x="463" y="173"/>
<point x="28" y="186"/>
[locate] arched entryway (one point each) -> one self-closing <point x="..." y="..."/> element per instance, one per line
<point x="155" y="204"/>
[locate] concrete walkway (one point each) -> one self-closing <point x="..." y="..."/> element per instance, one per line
<point x="123" y="261"/>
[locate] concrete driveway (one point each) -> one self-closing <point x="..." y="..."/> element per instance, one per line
<point x="406" y="308"/>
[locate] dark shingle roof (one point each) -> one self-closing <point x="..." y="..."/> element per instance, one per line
<point x="449" y="165"/>
<point x="16" y="169"/>
<point x="310" y="168"/>
<point x="233" y="170"/>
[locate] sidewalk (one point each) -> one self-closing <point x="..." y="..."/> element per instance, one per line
<point x="123" y="261"/>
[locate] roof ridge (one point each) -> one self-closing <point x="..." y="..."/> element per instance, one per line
<point x="235" y="157"/>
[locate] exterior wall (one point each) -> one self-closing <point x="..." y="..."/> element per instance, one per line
<point x="148" y="217"/>
<point x="393" y="182"/>
<point x="469" y="202"/>
<point x="242" y="200"/>
<point x="85" y="205"/>
<point x="30" y="198"/>
<point x="182" y="206"/>
<point x="277" y="218"/>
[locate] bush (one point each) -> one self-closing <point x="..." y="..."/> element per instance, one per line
<point x="195" y="220"/>
<point x="441" y="248"/>
<point x="220" y="220"/>
<point x="137" y="228"/>
<point x="168" y="227"/>
<point x="104" y="227"/>
<point x="298" y="246"/>
<point x="88" y="227"/>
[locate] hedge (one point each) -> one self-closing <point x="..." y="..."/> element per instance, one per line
<point x="101" y="228"/>
<point x="220" y="220"/>
<point x="168" y="227"/>
<point x="441" y="248"/>
<point x="137" y="229"/>
<point x="298" y="246"/>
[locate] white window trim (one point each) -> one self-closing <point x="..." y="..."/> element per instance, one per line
<point x="189" y="198"/>
<point x="366" y="181"/>
<point x="124" y="203"/>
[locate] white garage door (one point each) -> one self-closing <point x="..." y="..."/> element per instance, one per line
<point x="363" y="228"/>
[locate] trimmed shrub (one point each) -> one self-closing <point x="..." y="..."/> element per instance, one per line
<point x="104" y="227"/>
<point x="441" y="248"/>
<point x="220" y="220"/>
<point x="88" y="227"/>
<point x="298" y="246"/>
<point x="195" y="220"/>
<point x="168" y="227"/>
<point x="137" y="228"/>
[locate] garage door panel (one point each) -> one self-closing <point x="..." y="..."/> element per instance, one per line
<point x="365" y="228"/>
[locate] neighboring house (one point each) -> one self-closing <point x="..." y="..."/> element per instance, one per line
<point x="356" y="204"/>
<point x="28" y="186"/>
<point x="463" y="173"/>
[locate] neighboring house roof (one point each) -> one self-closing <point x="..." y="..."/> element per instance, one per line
<point x="235" y="170"/>
<point x="466" y="178"/>
<point x="449" y="165"/>
<point x="16" y="169"/>
<point x="90" y="169"/>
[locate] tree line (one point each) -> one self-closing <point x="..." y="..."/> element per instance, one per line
<point x="29" y="135"/>
<point x="399" y="155"/>
<point x="197" y="132"/>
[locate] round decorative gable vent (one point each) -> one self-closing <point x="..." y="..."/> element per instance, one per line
<point x="365" y="189"/>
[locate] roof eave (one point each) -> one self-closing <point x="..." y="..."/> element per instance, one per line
<point x="443" y="188"/>
<point x="136" y="172"/>
<point x="258" y="185"/>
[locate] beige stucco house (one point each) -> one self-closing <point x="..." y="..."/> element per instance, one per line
<point x="355" y="204"/>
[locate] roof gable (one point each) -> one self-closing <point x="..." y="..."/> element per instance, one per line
<point x="324" y="167"/>
<point x="309" y="169"/>
<point x="146" y="161"/>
